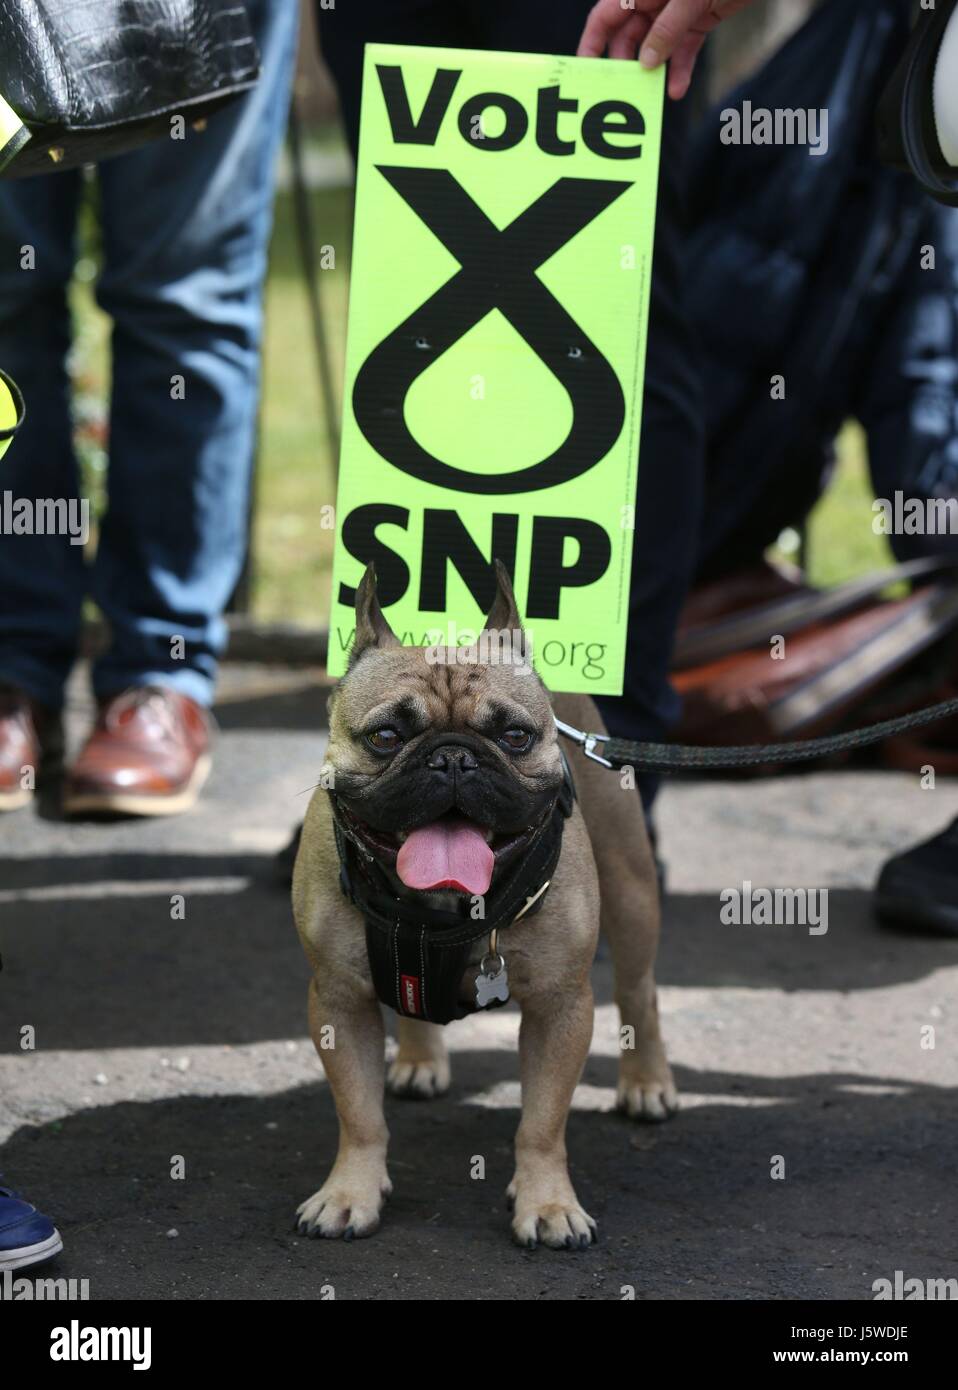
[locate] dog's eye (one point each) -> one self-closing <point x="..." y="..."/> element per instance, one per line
<point x="384" y="740"/>
<point x="516" y="740"/>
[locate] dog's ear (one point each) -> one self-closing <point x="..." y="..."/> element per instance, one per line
<point x="372" y="629"/>
<point x="504" y="614"/>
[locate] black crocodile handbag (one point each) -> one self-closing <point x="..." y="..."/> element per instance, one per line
<point x="93" y="78"/>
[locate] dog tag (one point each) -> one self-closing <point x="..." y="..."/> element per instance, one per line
<point x="492" y="982"/>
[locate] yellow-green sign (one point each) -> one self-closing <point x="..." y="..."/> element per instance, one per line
<point x="11" y="411"/>
<point x="505" y="208"/>
<point x="13" y="133"/>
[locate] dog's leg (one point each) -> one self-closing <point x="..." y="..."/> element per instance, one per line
<point x="347" y="1030"/>
<point x="630" y="921"/>
<point x="553" y="1044"/>
<point x="421" y="1068"/>
<point x="646" y="1088"/>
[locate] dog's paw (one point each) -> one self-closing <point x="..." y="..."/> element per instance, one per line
<point x="557" y="1221"/>
<point x="646" y="1088"/>
<point x="344" y="1206"/>
<point x="652" y="1100"/>
<point x="418" y="1080"/>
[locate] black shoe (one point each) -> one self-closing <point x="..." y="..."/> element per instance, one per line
<point x="919" y="889"/>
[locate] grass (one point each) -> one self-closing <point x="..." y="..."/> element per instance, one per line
<point x="295" y="474"/>
<point x="840" y="540"/>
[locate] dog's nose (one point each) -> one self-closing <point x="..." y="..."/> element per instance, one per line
<point x="452" y="759"/>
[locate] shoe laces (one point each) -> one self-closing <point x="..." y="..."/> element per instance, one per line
<point x="143" y="697"/>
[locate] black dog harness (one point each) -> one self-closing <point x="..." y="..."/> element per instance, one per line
<point x="418" y="954"/>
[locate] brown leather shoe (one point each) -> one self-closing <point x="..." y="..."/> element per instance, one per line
<point x="148" y="755"/>
<point x="28" y="734"/>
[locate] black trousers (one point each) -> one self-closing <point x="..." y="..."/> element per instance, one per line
<point x="671" y="468"/>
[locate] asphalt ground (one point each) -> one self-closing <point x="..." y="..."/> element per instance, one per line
<point x="159" y="1038"/>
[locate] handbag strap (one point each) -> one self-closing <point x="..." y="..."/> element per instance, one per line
<point x="787" y="615"/>
<point x="907" y="628"/>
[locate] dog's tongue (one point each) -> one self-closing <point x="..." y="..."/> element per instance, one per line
<point x="446" y="854"/>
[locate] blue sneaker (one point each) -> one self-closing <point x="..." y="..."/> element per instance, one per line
<point x="27" y="1237"/>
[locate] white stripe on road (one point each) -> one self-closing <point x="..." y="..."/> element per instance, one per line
<point x="124" y="888"/>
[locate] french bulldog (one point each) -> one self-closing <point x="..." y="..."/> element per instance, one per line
<point x="440" y="765"/>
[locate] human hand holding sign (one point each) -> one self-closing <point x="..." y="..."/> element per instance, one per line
<point x="657" y="30"/>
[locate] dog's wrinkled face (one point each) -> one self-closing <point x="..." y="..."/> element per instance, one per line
<point x="444" y="762"/>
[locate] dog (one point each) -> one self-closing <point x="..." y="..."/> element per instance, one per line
<point x="442" y="785"/>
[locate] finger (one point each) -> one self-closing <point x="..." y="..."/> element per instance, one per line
<point x="670" y="28"/>
<point x="625" y="44"/>
<point x="683" y="64"/>
<point x="605" y="19"/>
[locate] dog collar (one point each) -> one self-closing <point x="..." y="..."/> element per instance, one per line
<point x="417" y="953"/>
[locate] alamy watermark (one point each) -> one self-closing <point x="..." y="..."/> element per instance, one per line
<point x="757" y="125"/>
<point x="915" y="516"/>
<point x="76" y="1343"/>
<point x="461" y="646"/>
<point x="18" y="1288"/>
<point x="775" y="907"/>
<point x="914" y="1289"/>
<point x="45" y="516"/>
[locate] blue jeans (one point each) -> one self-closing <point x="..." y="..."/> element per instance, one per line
<point x="186" y="226"/>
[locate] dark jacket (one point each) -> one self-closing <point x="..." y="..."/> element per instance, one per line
<point x="807" y="266"/>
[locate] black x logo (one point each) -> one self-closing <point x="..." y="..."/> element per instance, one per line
<point x="498" y="272"/>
